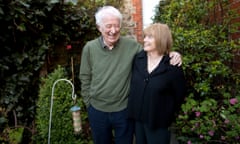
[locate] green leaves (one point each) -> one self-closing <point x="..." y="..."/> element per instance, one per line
<point x="202" y="37"/>
<point x="31" y="31"/>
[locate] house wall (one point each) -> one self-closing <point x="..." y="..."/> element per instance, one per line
<point x="132" y="18"/>
<point x="235" y="4"/>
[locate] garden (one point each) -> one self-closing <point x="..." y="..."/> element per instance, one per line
<point x="32" y="32"/>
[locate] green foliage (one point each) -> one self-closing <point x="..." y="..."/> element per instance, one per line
<point x="30" y="29"/>
<point x="210" y="113"/>
<point x="61" y="124"/>
<point x="16" y="135"/>
<point x="13" y="135"/>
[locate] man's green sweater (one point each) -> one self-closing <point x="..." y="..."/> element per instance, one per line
<point x="105" y="74"/>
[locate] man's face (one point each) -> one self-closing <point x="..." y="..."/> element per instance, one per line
<point x="110" y="30"/>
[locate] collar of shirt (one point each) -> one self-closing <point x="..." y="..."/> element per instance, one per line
<point x="104" y="45"/>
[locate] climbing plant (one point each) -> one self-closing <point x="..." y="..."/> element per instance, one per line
<point x="30" y="29"/>
<point x="202" y="31"/>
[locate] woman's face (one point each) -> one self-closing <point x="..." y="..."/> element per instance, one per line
<point x="149" y="43"/>
<point x="110" y="30"/>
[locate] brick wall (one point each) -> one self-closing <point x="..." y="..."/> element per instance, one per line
<point x="235" y="5"/>
<point x="137" y="17"/>
<point x="217" y="16"/>
<point x="132" y="18"/>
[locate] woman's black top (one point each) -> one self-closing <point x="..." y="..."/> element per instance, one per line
<point x="155" y="97"/>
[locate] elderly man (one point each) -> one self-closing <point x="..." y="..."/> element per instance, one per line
<point x="105" y="74"/>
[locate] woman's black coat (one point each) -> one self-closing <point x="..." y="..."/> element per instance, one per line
<point x="155" y="98"/>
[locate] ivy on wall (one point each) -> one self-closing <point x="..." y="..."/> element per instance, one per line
<point x="31" y="31"/>
<point x="211" y="109"/>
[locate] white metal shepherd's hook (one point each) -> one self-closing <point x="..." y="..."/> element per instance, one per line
<point x="74" y="96"/>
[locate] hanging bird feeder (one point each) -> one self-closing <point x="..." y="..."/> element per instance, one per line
<point x="77" y="125"/>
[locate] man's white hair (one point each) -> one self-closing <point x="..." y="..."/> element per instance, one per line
<point x="106" y="11"/>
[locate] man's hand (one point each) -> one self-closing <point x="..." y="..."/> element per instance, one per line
<point x="176" y="58"/>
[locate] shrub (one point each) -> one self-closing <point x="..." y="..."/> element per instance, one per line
<point x="211" y="110"/>
<point x="61" y="124"/>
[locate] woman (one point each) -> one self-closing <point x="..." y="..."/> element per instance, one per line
<point x="157" y="87"/>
